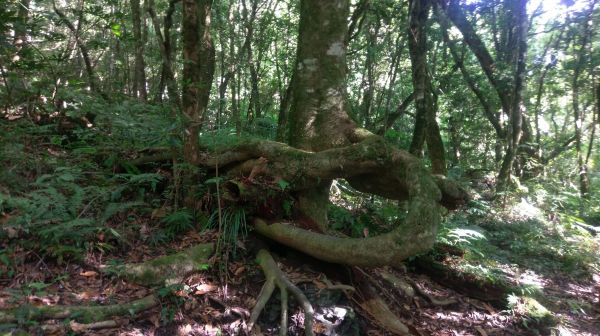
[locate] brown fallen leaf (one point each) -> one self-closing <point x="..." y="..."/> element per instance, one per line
<point x="239" y="271"/>
<point x="86" y="295"/>
<point x="88" y="273"/>
<point x="155" y="320"/>
<point x="205" y="288"/>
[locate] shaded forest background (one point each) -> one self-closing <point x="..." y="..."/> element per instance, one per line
<point x="125" y="128"/>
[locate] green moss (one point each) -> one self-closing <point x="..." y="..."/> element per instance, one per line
<point x="535" y="316"/>
<point x="170" y="267"/>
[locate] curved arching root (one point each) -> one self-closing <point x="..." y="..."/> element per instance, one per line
<point x="275" y="277"/>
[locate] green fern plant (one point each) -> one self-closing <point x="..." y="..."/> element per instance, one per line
<point x="57" y="215"/>
<point x="178" y="222"/>
<point x="134" y="182"/>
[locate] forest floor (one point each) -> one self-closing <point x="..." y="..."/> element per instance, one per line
<point x="208" y="306"/>
<point x="50" y="254"/>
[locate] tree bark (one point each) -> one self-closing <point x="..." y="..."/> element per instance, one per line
<point x="426" y="126"/>
<point x="139" y="74"/>
<point x="369" y="79"/>
<point x="584" y="182"/>
<point x="254" y="108"/>
<point x="318" y="118"/>
<point x="198" y="71"/>
<point x="516" y="112"/>
<point x="164" y="45"/>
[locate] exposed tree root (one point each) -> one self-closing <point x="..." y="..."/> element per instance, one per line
<point x="494" y="292"/>
<point x="81" y="327"/>
<point x="56" y="328"/>
<point x="435" y="301"/>
<point x="379" y="310"/>
<point x="371" y="165"/>
<point x="85" y="314"/>
<point x="593" y="230"/>
<point x="408" y="287"/>
<point x="399" y="283"/>
<point x="275" y="277"/>
<point x="167" y="269"/>
<point x="387" y="249"/>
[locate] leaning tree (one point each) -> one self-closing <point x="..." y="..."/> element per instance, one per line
<point x="326" y="144"/>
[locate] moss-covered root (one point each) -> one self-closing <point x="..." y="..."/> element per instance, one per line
<point x="85" y="314"/>
<point x="167" y="269"/>
<point x="275" y="277"/>
<point x="386" y="249"/>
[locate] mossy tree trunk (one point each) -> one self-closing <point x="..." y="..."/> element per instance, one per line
<point x="318" y="116"/>
<point x="426" y="127"/>
<point x="198" y="70"/>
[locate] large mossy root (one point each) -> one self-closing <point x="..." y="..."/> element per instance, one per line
<point x="82" y="313"/>
<point x="276" y="278"/>
<point x="165" y="270"/>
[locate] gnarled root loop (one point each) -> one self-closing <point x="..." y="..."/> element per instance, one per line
<point x="275" y="277"/>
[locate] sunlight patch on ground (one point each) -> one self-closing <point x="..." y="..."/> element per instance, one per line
<point x="525" y="209"/>
<point x="530" y="278"/>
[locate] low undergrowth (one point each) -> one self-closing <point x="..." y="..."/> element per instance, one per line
<point x="68" y="198"/>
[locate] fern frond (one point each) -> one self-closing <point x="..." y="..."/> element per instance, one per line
<point x="115" y="208"/>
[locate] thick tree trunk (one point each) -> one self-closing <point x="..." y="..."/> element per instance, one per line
<point x="426" y="125"/>
<point x="198" y="71"/>
<point x="517" y="105"/>
<point x="318" y="117"/>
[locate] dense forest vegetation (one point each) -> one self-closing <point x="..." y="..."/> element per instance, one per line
<point x="420" y="167"/>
